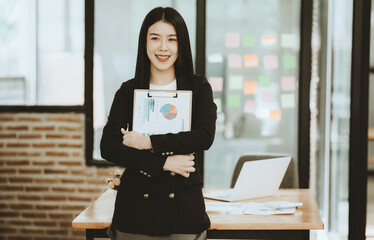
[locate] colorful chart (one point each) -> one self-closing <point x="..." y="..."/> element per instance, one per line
<point x="169" y="111"/>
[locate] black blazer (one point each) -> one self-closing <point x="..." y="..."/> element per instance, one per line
<point x="150" y="200"/>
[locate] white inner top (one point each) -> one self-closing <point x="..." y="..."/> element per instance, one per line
<point x="170" y="86"/>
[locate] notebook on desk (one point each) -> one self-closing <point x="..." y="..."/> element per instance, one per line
<point x="259" y="178"/>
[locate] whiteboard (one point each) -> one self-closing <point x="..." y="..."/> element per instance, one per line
<point x="161" y="111"/>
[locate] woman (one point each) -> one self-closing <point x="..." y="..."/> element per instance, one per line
<point x="161" y="190"/>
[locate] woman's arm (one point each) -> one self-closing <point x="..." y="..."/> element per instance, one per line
<point x="203" y="128"/>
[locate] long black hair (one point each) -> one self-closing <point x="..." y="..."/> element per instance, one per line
<point x="183" y="65"/>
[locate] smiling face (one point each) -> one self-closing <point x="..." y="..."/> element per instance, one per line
<point x="162" y="47"/>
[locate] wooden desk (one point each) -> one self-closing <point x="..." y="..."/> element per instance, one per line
<point x="97" y="217"/>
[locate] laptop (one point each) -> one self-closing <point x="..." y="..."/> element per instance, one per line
<point x="258" y="178"/>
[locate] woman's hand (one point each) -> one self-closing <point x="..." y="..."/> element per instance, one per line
<point x="136" y="140"/>
<point x="180" y="164"/>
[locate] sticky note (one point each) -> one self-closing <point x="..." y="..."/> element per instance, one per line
<point x="268" y="40"/>
<point x="268" y="96"/>
<point x="234" y="61"/>
<point x="250" y="60"/>
<point x="288" y="83"/>
<point x="249" y="40"/>
<point x="288" y="100"/>
<point x="264" y="81"/>
<point x="262" y="113"/>
<point x="270" y="62"/>
<point x="250" y="106"/>
<point x="216" y="83"/>
<point x="218" y="102"/>
<point x="288" y="40"/>
<point x="233" y="100"/>
<point x="275" y="115"/>
<point x="232" y="40"/>
<point x="236" y="82"/>
<point x="250" y="87"/>
<point x="289" y="62"/>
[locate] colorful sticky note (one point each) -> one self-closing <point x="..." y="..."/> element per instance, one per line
<point x="218" y="102"/>
<point x="264" y="81"/>
<point x="232" y="40"/>
<point x="268" y="40"/>
<point x="236" y="82"/>
<point x="268" y="96"/>
<point x="288" y="40"/>
<point x="289" y="62"/>
<point x="250" y="87"/>
<point x="216" y="83"/>
<point x="288" y="100"/>
<point x="250" y="60"/>
<point x="270" y="62"/>
<point x="249" y="40"/>
<point x="262" y="113"/>
<point x="288" y="83"/>
<point x="250" y="106"/>
<point x="234" y="61"/>
<point x="234" y="100"/>
<point x="275" y="115"/>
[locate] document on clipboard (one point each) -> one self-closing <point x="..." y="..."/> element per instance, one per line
<point x="161" y="111"/>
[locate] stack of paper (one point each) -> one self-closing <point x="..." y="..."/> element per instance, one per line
<point x="266" y="208"/>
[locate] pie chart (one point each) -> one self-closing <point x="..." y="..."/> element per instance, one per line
<point x="169" y="111"/>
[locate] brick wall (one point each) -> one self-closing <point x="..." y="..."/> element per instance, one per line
<point x="44" y="181"/>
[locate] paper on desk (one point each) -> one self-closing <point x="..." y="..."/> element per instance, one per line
<point x="231" y="207"/>
<point x="270" y="208"/>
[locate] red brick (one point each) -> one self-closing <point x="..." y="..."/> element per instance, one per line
<point x="20" y="180"/>
<point x="105" y="173"/>
<point x="19" y="238"/>
<point x="76" y="181"/>
<point x="34" y="215"/>
<point x="57" y="136"/>
<point x="11" y="188"/>
<point x="7" y="171"/>
<point x="20" y="223"/>
<point x="30" y="136"/>
<point x="18" y="145"/>
<point x="65" y="224"/>
<point x="76" y="137"/>
<point x="96" y="182"/>
<point x="73" y="207"/>
<point x="29" y="198"/>
<point x="22" y="206"/>
<point x="43" y="163"/>
<point x="76" y="154"/>
<point x="8" y="136"/>
<point x="43" y="128"/>
<point x="2" y="145"/>
<point x="37" y="189"/>
<point x="46" y="180"/>
<point x="4" y="230"/>
<point x="32" y="231"/>
<point x="61" y="216"/>
<point x="3" y="180"/>
<point x="17" y="128"/>
<point x="54" y="198"/>
<point x="89" y="190"/>
<point x="80" y="199"/>
<point x="55" y="171"/>
<point x="9" y="214"/>
<point x="70" y="129"/>
<point x="7" y="197"/>
<point x="82" y="172"/>
<point x="45" y="223"/>
<point x="30" y="171"/>
<point x="57" y="154"/>
<point x="29" y="154"/>
<point x="29" y="119"/>
<point x="44" y="145"/>
<point x="2" y="162"/>
<point x="67" y="145"/>
<point x="18" y="163"/>
<point x="70" y="163"/>
<point x="61" y="232"/>
<point x="79" y="232"/>
<point x="64" y="119"/>
<point x="3" y="206"/>
<point x="63" y="189"/>
<point x="7" y="154"/>
<point x="47" y="207"/>
<point x="6" y="119"/>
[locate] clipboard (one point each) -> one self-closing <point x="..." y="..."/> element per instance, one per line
<point x="162" y="111"/>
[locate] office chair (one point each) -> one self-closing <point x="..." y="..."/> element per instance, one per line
<point x="290" y="179"/>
